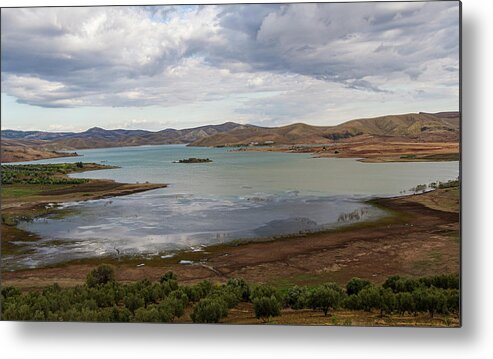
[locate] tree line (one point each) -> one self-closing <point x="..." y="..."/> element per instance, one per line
<point x="103" y="299"/>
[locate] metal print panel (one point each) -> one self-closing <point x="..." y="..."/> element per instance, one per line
<point x="289" y="163"/>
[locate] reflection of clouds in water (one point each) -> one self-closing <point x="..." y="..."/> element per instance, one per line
<point x="144" y="225"/>
<point x="243" y="195"/>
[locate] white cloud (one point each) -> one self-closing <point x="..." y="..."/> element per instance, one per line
<point x="305" y="60"/>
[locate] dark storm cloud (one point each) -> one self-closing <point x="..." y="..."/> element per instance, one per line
<point x="337" y="42"/>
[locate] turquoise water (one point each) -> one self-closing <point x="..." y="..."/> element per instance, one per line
<point x="240" y="195"/>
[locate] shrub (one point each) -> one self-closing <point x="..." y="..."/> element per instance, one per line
<point x="181" y="295"/>
<point x="150" y="315"/>
<point x="8" y="292"/>
<point x="436" y="301"/>
<point x="391" y="282"/>
<point x="453" y="300"/>
<point x="209" y="310"/>
<point x="120" y="314"/>
<point x="264" y="290"/>
<point x="405" y="302"/>
<point x="100" y="275"/>
<point x="399" y="284"/>
<point x="165" y="312"/>
<point x="17" y="311"/>
<point x="198" y="291"/>
<point x="151" y="293"/>
<point x="228" y="294"/>
<point x="171" y="308"/>
<point x="103" y="296"/>
<point x="355" y="285"/>
<point x="431" y="300"/>
<point x="168" y="276"/>
<point x="241" y="287"/>
<point x="352" y="302"/>
<point x="133" y="302"/>
<point x="324" y="298"/>
<point x="296" y="297"/>
<point x="406" y="285"/>
<point x="369" y="298"/>
<point x="266" y="307"/>
<point x="444" y="281"/>
<point x="387" y="302"/>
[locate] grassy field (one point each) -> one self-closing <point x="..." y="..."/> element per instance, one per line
<point x="23" y="190"/>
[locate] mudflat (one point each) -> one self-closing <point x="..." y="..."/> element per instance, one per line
<point x="420" y="236"/>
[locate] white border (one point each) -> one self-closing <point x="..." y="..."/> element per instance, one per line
<point x="474" y="340"/>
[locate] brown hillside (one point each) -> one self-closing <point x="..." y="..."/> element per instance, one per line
<point x="414" y="127"/>
<point x="18" y="151"/>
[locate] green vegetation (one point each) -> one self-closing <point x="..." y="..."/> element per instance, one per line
<point x="325" y="297"/>
<point x="209" y="310"/>
<point x="102" y="275"/>
<point x="22" y="190"/>
<point x="355" y="285"/>
<point x="408" y="157"/>
<point x="432" y="158"/>
<point x="266" y="307"/>
<point x="41" y="174"/>
<point x="449" y="184"/>
<point x="103" y="299"/>
<point x="434" y="185"/>
<point x="341" y="135"/>
<point x="443" y="157"/>
<point x="195" y="160"/>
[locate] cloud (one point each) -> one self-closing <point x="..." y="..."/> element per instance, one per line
<point x="178" y="55"/>
<point x="137" y="123"/>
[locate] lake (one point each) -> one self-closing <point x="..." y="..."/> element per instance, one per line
<point x="238" y="196"/>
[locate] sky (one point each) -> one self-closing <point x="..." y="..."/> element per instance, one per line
<point x="157" y="67"/>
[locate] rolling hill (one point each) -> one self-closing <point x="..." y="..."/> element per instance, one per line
<point x="97" y="137"/>
<point x="27" y="150"/>
<point x="415" y="127"/>
<point x="412" y="127"/>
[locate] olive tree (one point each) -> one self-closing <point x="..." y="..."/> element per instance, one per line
<point x="355" y="285"/>
<point x="209" y="310"/>
<point x="266" y="307"/>
<point x="324" y="298"/>
<point x="101" y="275"/>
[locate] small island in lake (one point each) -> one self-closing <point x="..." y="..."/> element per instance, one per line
<point x="193" y="160"/>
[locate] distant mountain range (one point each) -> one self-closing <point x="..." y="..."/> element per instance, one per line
<point x="415" y="127"/>
<point x="97" y="137"/>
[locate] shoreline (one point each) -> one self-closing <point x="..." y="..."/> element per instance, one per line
<point x="413" y="240"/>
<point x="37" y="201"/>
<point x="91" y="189"/>
<point x="369" y="151"/>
